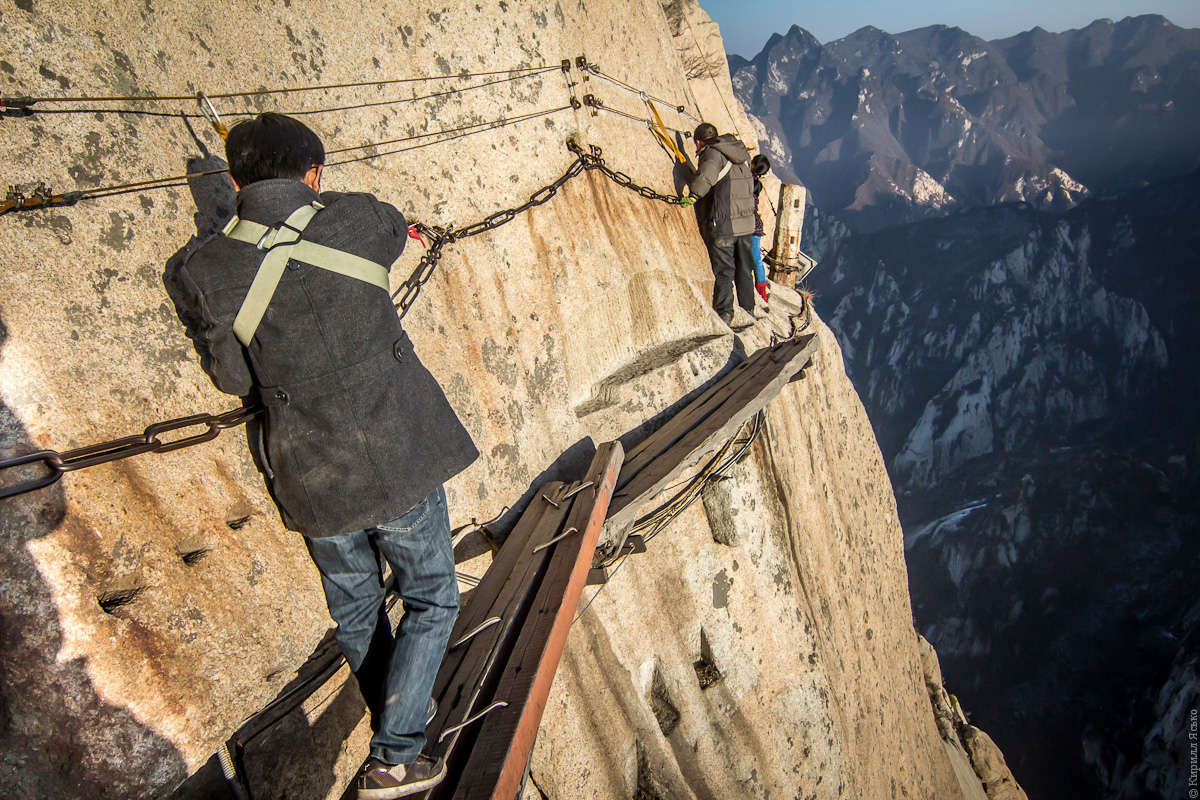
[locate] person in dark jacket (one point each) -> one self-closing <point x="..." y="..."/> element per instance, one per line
<point x="724" y="194"/>
<point x="359" y="436"/>
<point x="760" y="165"/>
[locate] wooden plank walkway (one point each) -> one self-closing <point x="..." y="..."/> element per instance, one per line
<point x="519" y="615"/>
<point x="505" y="648"/>
<point x="710" y="419"/>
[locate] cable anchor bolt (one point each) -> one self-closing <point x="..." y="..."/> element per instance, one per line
<point x="16" y="106"/>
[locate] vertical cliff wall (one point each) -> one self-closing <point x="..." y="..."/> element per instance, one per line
<point x="575" y="323"/>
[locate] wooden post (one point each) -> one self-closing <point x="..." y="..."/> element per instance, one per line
<point x="785" y="255"/>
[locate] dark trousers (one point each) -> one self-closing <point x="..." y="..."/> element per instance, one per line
<point x="732" y="260"/>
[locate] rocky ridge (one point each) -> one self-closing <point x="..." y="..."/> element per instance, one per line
<point x="885" y="129"/>
<point x="1030" y="378"/>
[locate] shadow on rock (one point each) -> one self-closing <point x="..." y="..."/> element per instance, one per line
<point x="57" y="737"/>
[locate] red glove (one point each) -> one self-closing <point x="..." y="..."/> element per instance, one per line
<point x="762" y="290"/>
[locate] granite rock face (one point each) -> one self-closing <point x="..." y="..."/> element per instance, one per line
<point x="150" y="605"/>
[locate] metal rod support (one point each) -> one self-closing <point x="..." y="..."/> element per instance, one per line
<point x="466" y="722"/>
<point x="487" y="623"/>
<point x="562" y="535"/>
<point x="577" y="490"/>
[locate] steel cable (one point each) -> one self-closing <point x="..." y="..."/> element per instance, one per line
<point x="377" y="103"/>
<point x="18" y="201"/>
<point x="288" y="90"/>
<point x="679" y="108"/>
<point x="478" y="127"/>
<point x="302" y="112"/>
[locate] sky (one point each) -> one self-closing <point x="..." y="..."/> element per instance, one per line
<point x="747" y="24"/>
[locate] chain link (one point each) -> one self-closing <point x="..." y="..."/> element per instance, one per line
<point x="148" y="442"/>
<point x="441" y="237"/>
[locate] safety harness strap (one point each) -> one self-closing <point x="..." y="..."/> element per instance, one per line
<point x="724" y="171"/>
<point x="283" y="244"/>
<point x="269" y="272"/>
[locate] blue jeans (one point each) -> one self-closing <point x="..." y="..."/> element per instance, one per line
<point x="395" y="674"/>
<point x="760" y="272"/>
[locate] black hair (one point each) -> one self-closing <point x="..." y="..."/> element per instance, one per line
<point x="760" y="165"/>
<point x="272" y="146"/>
<point x="706" y="133"/>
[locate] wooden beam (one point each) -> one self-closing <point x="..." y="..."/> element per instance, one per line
<point x="685" y="418"/>
<point x="497" y="763"/>
<point x="771" y="368"/>
<point x="468" y="673"/>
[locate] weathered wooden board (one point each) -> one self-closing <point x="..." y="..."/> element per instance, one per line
<point x="688" y="417"/>
<point x="467" y="674"/>
<point x="497" y="761"/>
<point x="771" y="369"/>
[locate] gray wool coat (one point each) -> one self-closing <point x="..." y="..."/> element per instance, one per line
<point x="357" y="430"/>
<point x="725" y="206"/>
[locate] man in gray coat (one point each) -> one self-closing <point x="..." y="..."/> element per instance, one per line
<point x="290" y="308"/>
<point x="724" y="189"/>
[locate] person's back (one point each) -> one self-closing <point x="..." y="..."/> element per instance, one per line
<point x="358" y="430"/>
<point x="724" y="189"/>
<point x="290" y="307"/>
<point x="726" y="206"/>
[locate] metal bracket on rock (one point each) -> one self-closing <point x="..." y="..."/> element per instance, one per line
<point x="41" y="197"/>
<point x="17" y="106"/>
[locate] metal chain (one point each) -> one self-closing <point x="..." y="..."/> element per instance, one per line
<point x="148" y="442"/>
<point x="441" y="237"/>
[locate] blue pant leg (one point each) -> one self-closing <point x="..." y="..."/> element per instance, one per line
<point x="352" y="578"/>
<point x="760" y="272"/>
<point x="418" y="547"/>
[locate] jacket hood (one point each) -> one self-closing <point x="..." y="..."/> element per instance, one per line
<point x="732" y="148"/>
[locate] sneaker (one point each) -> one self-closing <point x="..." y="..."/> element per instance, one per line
<point x="379" y="781"/>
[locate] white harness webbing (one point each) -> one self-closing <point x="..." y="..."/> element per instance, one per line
<point x="279" y="252"/>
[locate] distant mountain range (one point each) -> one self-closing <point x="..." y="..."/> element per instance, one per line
<point x="1033" y="383"/>
<point x="1008" y="235"/>
<point x="886" y="128"/>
